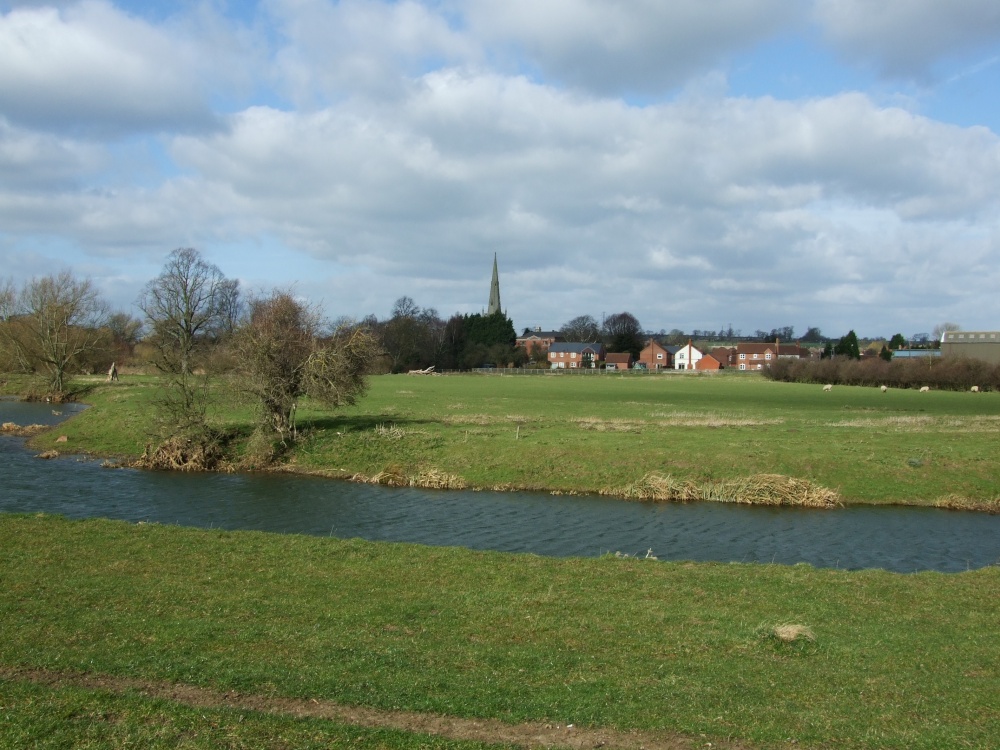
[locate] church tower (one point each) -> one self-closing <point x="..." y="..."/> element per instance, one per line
<point x="494" y="290"/>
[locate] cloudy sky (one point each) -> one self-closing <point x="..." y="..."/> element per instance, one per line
<point x="759" y="163"/>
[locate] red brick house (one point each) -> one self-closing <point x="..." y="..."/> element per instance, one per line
<point x="618" y="361"/>
<point x="537" y="339"/>
<point x="758" y="356"/>
<point x="708" y="362"/>
<point x="571" y="356"/>
<point x="656" y="356"/>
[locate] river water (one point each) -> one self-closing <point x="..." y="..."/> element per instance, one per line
<point x="900" y="539"/>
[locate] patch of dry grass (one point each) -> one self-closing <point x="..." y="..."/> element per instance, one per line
<point x="425" y="478"/>
<point x="790" y="633"/>
<point x="914" y="423"/>
<point x="756" y="489"/>
<point x="959" y="502"/>
<point x="609" y="425"/>
<point x="710" y="419"/>
<point x="10" y="428"/>
<point x="488" y="419"/>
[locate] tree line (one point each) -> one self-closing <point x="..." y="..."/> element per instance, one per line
<point x="275" y="349"/>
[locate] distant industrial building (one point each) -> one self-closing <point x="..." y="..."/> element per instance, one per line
<point x="984" y="345"/>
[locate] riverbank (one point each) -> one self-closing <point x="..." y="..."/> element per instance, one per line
<point x="757" y="655"/>
<point x="654" y="437"/>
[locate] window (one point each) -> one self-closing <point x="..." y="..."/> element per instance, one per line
<point x="743" y="356"/>
<point x="659" y="356"/>
<point x="755" y="356"/>
<point x="572" y="355"/>
<point x="562" y="354"/>
<point x="743" y="367"/>
<point x="767" y="356"/>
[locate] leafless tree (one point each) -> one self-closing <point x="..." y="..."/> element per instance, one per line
<point x="187" y="306"/>
<point x="581" y="329"/>
<point x="942" y="328"/>
<point x="53" y="323"/>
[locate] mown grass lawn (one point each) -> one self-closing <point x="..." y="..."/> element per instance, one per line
<point x="895" y="661"/>
<point x="603" y="432"/>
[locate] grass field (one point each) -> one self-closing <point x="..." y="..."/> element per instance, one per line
<point x="689" y="653"/>
<point x="605" y="433"/>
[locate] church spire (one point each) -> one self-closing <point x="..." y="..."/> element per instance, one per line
<point x="494" y="290"/>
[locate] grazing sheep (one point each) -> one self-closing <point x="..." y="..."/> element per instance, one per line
<point x="883" y="388"/>
<point x="925" y="389"/>
<point x="827" y="387"/>
<point x="974" y="389"/>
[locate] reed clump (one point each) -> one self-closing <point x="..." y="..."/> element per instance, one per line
<point x="181" y="454"/>
<point x="11" y="428"/>
<point x="756" y="489"/>
<point x="960" y="502"/>
<point x="394" y="476"/>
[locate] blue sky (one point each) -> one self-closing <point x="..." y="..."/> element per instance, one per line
<point x="760" y="163"/>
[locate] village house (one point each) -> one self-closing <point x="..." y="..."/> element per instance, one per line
<point x="757" y="356"/>
<point x="656" y="356"/>
<point x="618" y="361"/>
<point x="687" y="357"/>
<point x="537" y="339"/>
<point x="709" y="362"/>
<point x="575" y="355"/>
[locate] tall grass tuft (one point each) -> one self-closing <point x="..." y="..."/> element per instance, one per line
<point x="756" y="489"/>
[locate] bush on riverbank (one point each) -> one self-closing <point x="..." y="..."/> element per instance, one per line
<point x="949" y="373"/>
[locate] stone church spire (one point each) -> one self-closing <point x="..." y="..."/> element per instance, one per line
<point x="494" y="290"/>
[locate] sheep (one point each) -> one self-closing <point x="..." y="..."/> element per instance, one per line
<point x="974" y="389"/>
<point x="925" y="389"/>
<point x="827" y="387"/>
<point x="883" y="388"/>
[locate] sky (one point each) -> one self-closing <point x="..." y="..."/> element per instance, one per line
<point x="747" y="163"/>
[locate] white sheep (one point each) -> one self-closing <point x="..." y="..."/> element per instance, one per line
<point x="925" y="389"/>
<point x="974" y="389"/>
<point x="883" y="388"/>
<point x="827" y="387"/>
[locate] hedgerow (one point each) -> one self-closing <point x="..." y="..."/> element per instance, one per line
<point x="949" y="373"/>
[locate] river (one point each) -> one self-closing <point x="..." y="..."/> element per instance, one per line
<point x="901" y="539"/>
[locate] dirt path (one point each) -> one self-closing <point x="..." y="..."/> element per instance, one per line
<point x="530" y="735"/>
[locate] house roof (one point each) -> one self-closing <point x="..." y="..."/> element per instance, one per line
<point x="578" y="347"/>
<point x="618" y="358"/>
<point x="971" y="337"/>
<point x="540" y="335"/>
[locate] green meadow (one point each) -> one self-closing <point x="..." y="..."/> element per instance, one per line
<point x="606" y="432"/>
<point x="110" y="630"/>
<point x="691" y="654"/>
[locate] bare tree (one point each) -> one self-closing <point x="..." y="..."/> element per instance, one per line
<point x="8" y="295"/>
<point x="188" y="305"/>
<point x="581" y="329"/>
<point x="942" y="328"/>
<point x="53" y="323"/>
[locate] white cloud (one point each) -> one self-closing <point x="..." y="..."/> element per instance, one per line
<point x="330" y="50"/>
<point x="411" y="152"/>
<point x="905" y="38"/>
<point x="91" y="67"/>
<point x="638" y="47"/>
